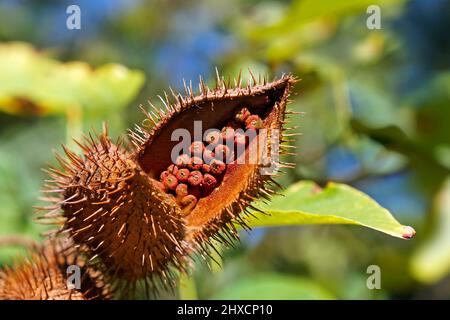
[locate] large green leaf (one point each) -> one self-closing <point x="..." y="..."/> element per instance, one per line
<point x="307" y="203"/>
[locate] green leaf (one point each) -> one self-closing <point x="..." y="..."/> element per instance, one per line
<point x="306" y="203"/>
<point x="273" y="287"/>
<point x="31" y="83"/>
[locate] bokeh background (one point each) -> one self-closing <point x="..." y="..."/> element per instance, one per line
<point x="376" y="106"/>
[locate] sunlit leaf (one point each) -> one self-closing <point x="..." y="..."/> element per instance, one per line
<point x="307" y="203"/>
<point x="31" y="83"/>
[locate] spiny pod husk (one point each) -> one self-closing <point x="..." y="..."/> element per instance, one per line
<point x="258" y="105"/>
<point x="44" y="275"/>
<point x="120" y="205"/>
<point x="115" y="212"/>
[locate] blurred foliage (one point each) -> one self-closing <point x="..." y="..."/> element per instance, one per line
<point x="272" y="286"/>
<point x="376" y="103"/>
<point x="53" y="87"/>
<point x="33" y="84"/>
<point x="432" y="260"/>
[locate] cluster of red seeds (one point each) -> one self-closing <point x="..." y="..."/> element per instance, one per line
<point x="195" y="174"/>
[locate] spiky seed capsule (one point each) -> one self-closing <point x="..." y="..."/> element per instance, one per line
<point x="44" y="276"/>
<point x="117" y="214"/>
<point x="141" y="231"/>
<point x="238" y="187"/>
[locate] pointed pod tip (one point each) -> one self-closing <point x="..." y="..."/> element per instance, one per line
<point x="408" y="232"/>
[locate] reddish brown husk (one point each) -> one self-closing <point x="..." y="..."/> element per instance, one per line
<point x="138" y="227"/>
<point x="43" y="276"/>
<point x="214" y="216"/>
<point x="117" y="214"/>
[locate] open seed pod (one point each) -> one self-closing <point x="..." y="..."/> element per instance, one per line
<point x="44" y="275"/>
<point x="142" y="212"/>
<point x="259" y="107"/>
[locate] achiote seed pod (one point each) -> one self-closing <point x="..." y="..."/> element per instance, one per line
<point x="123" y="206"/>
<point x="238" y="185"/>
<point x="47" y="275"/>
<point x="117" y="213"/>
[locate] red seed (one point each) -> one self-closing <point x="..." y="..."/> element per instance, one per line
<point x="181" y="190"/>
<point x="217" y="167"/>
<point x="222" y="152"/>
<point x="206" y="168"/>
<point x="208" y="156"/>
<point x="254" y="122"/>
<point x="183" y="160"/>
<point x="196" y="148"/>
<point x="183" y="175"/>
<point x="213" y="137"/>
<point x="195" y="163"/>
<point x="188" y="199"/>
<point x="242" y="115"/>
<point x="227" y="133"/>
<point x="188" y="204"/>
<point x="163" y="175"/>
<point x="209" y="181"/>
<point x="195" y="178"/>
<point x="173" y="169"/>
<point x="170" y="182"/>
